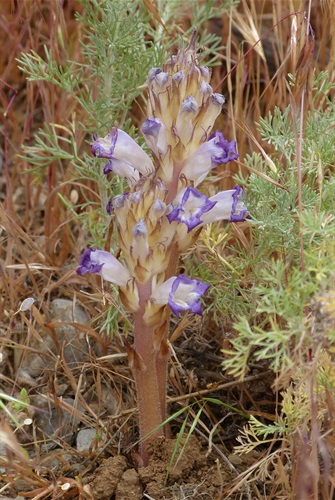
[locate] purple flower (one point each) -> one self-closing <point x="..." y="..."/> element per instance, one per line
<point x="126" y="157"/>
<point x="238" y="210"/>
<point x="219" y="100"/>
<point x="151" y="127"/>
<point x="205" y="72"/>
<point x="104" y="264"/>
<point x="205" y="88"/>
<point x="228" y="206"/>
<point x="215" y="151"/>
<point x="227" y="149"/>
<point x="190" y="209"/>
<point x="181" y="293"/>
<point x="118" y="201"/>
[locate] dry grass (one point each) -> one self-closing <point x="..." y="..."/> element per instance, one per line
<point x="41" y="240"/>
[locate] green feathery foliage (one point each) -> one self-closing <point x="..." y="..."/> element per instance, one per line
<point x="284" y="301"/>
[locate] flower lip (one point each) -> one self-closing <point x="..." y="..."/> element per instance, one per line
<point x="213" y="152"/>
<point x="140" y="229"/>
<point x="103" y="147"/>
<point x="185" y="295"/>
<point x="238" y="211"/>
<point x="126" y="157"/>
<point x="205" y="88"/>
<point x="179" y="76"/>
<point x="87" y="265"/>
<point x="226" y="149"/>
<point x="105" y="264"/>
<point x="192" y="206"/>
<point x="229" y="206"/>
<point x="181" y="294"/>
<point x="205" y="72"/>
<point x="154" y="72"/>
<point x="155" y="135"/>
<point x="122" y="169"/>
<point x="119" y="199"/>
<point x="161" y="78"/>
<point x="189" y="105"/>
<point x="218" y="99"/>
<point x="158" y="207"/>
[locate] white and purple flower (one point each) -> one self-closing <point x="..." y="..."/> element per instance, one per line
<point x="229" y="206"/>
<point x="194" y="209"/>
<point x="126" y="158"/>
<point x="190" y="208"/>
<point x="181" y="294"/>
<point x="215" y="151"/>
<point x="105" y="264"/>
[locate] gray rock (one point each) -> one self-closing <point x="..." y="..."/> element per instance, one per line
<point x="58" y="460"/>
<point x="11" y="498"/>
<point x="87" y="438"/>
<point x="2" y="450"/>
<point x="67" y="340"/>
<point x="55" y="423"/>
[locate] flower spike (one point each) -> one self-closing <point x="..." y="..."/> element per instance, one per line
<point x="161" y="215"/>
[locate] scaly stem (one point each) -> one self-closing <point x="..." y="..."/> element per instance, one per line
<point x="162" y="333"/>
<point x="162" y="359"/>
<point x="145" y="366"/>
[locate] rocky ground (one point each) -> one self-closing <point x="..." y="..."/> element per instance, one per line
<point x="76" y="432"/>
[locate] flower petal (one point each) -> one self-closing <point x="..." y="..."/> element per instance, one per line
<point x="104" y="264"/>
<point x="158" y="77"/>
<point x="215" y="151"/>
<point x="155" y="135"/>
<point x="181" y="293"/>
<point x="190" y="209"/>
<point x="228" y="206"/>
<point x="120" y="146"/>
<point x="122" y="169"/>
<point x="140" y="245"/>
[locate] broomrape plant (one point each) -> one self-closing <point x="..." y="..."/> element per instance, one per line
<point x="161" y="215"/>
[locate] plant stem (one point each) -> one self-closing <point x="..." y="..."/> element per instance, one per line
<point x="149" y="365"/>
<point x="147" y="368"/>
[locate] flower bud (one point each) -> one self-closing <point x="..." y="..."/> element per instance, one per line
<point x="155" y="136"/>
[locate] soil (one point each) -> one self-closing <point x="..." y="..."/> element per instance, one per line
<point x="194" y="474"/>
<point x="103" y="464"/>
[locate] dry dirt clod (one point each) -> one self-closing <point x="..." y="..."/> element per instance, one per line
<point x="129" y="487"/>
<point x="106" y="478"/>
<point x="192" y="473"/>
